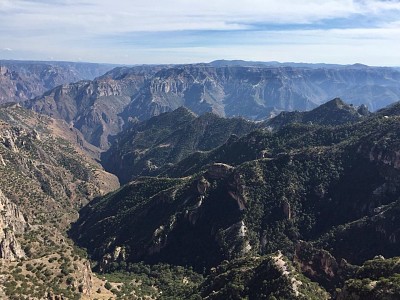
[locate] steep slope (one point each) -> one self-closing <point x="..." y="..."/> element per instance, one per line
<point x="227" y="91"/>
<point x="376" y="233"/>
<point x="44" y="162"/>
<point x="308" y="180"/>
<point x="46" y="174"/>
<point x="99" y="108"/>
<point x="23" y="80"/>
<point x="12" y="223"/>
<point x="373" y="279"/>
<point x="326" y="197"/>
<point x="146" y="148"/>
<point x="176" y="224"/>
<point x="290" y="130"/>
<point x="257" y="92"/>
<point x="391" y="110"/>
<point x="93" y="107"/>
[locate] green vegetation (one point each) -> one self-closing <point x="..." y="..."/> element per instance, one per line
<point x="314" y="178"/>
<point x="375" y="279"/>
<point x="47" y="179"/>
<point x="267" y="277"/>
<point x="161" y="281"/>
<point x="331" y="185"/>
<point x="334" y="112"/>
<point x="219" y="212"/>
<point x="147" y="148"/>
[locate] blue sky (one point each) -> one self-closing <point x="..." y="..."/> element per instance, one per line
<point x="186" y="31"/>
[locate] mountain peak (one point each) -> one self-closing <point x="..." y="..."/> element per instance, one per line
<point x="333" y="112"/>
<point x="335" y="105"/>
<point x="336" y="102"/>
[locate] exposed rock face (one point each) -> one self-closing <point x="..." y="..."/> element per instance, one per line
<point x="237" y="191"/>
<point x="319" y="265"/>
<point x="74" y="103"/>
<point x="285" y="270"/>
<point x="117" y="255"/>
<point x="84" y="286"/>
<point x="47" y="172"/>
<point x="100" y="108"/>
<point x="235" y="240"/>
<point x="256" y="92"/>
<point x="44" y="167"/>
<point x="202" y="186"/>
<point x="387" y="157"/>
<point x="93" y="107"/>
<point x="191" y="86"/>
<point x="286" y="209"/>
<point x="219" y="171"/>
<point x="9" y="138"/>
<point x="12" y="222"/>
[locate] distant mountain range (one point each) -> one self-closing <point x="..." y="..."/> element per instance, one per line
<point x="23" y="80"/>
<point x="244" y="63"/>
<point x="101" y="107"/>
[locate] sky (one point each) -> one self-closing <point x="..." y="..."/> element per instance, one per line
<point x="187" y="31"/>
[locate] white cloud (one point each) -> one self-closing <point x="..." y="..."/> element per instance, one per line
<point x="72" y="29"/>
<point x="153" y="15"/>
<point x="119" y="16"/>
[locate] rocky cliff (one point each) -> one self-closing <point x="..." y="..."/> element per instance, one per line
<point x="46" y="173"/>
<point x="12" y="223"/>
<point x="100" y="108"/>
<point x="258" y="92"/>
<point x="48" y="157"/>
<point x="93" y="107"/>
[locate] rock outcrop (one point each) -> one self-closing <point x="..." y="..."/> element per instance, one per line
<point x="94" y="107"/>
<point x="219" y="171"/>
<point x="84" y="286"/>
<point x="12" y="222"/>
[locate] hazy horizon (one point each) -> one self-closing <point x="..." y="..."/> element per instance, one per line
<point x="179" y="32"/>
<point x="194" y="63"/>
